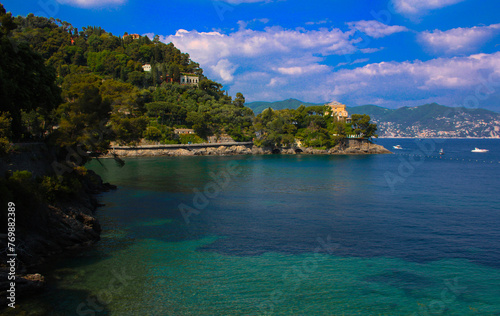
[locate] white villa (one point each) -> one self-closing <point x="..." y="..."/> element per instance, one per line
<point x="189" y="79"/>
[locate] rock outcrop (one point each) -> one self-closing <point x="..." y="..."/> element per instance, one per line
<point x="51" y="228"/>
<point x="358" y="147"/>
<point x="346" y="147"/>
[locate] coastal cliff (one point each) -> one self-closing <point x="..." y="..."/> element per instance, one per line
<point x="45" y="228"/>
<point x="345" y="147"/>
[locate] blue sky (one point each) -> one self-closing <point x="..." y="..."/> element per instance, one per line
<point x="390" y="53"/>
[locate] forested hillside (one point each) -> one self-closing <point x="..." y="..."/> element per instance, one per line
<point x="92" y="82"/>
<point x="84" y="88"/>
<point x="260" y="106"/>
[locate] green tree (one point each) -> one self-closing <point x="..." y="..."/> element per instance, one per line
<point x="25" y="82"/>
<point x="239" y="101"/>
<point x="360" y="124"/>
<point x="84" y="115"/>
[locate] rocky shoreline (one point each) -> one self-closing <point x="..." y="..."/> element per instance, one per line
<point x="347" y="147"/>
<point x="61" y="227"/>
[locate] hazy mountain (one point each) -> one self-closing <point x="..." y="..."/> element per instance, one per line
<point x="432" y="120"/>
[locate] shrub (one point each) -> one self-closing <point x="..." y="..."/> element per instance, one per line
<point x="81" y="171"/>
<point x="152" y="133"/>
<point x="5" y="146"/>
<point x="193" y="138"/>
<point x="22" y="176"/>
<point x="53" y="187"/>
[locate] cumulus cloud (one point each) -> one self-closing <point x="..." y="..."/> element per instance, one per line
<point x="277" y="63"/>
<point x="375" y="28"/>
<point x="91" y="3"/>
<point x="273" y="49"/>
<point x="420" y="7"/>
<point x="458" y="40"/>
<point x="449" y="81"/>
<point x="301" y="70"/>
<point x="246" y="42"/>
<point x="224" y="70"/>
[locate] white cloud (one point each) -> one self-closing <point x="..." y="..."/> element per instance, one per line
<point x="420" y="7"/>
<point x="273" y="49"/>
<point x="376" y="29"/>
<point x="458" y="40"/>
<point x="277" y="81"/>
<point x="276" y="64"/>
<point x="371" y="50"/>
<point x="301" y="70"/>
<point x="360" y="61"/>
<point x="447" y="80"/>
<point x="357" y="61"/>
<point x="224" y="70"/>
<point x="246" y="42"/>
<point x="91" y="3"/>
<point x="318" y="22"/>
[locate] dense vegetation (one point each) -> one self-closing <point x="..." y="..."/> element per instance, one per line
<point x="259" y="106"/>
<point x="311" y="126"/>
<point x="91" y="81"/>
<point x="81" y="89"/>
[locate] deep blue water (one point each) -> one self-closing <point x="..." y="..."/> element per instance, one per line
<point x="296" y="235"/>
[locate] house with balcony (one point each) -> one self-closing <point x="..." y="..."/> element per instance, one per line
<point x="189" y="79"/>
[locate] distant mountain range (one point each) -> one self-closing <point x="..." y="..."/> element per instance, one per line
<point x="429" y="120"/>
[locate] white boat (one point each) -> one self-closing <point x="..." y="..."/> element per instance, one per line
<point x="397" y="147"/>
<point x="441" y="152"/>
<point x="477" y="150"/>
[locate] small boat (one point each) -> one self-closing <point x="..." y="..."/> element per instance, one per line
<point x="478" y="150"/>
<point x="397" y="147"/>
<point x="441" y="151"/>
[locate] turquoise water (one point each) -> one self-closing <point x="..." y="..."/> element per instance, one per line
<point x="408" y="234"/>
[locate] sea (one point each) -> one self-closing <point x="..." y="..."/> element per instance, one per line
<point x="409" y="233"/>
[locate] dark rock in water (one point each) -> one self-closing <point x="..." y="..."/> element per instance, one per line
<point x="63" y="226"/>
<point x="26" y="285"/>
<point x="107" y="186"/>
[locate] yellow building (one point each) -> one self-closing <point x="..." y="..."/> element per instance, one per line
<point x="134" y="36"/>
<point x="339" y="110"/>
